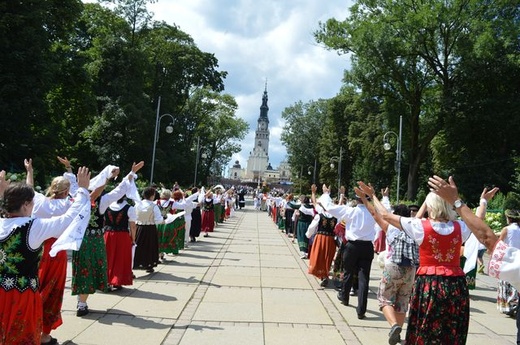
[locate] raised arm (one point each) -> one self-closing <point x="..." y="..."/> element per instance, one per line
<point x="449" y="192"/>
<point x="30" y="172"/>
<point x="377" y="217"/>
<point x="379" y="207"/>
<point x="484" y="198"/>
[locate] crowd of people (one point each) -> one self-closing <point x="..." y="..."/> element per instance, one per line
<point x="428" y="254"/>
<point x="111" y="233"/>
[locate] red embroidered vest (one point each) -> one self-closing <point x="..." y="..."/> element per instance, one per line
<point x="440" y="254"/>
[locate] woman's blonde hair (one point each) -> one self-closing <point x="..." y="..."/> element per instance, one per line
<point x="58" y="187"/>
<point x="438" y="208"/>
<point x="165" y="194"/>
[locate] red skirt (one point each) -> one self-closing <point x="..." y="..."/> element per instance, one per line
<point x="119" y="257"/>
<point x="321" y="255"/>
<point x="20" y="317"/>
<point x="208" y="221"/>
<point x="52" y="274"/>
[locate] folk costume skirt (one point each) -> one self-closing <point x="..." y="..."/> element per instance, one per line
<point x="322" y="255"/>
<point x="20" y="317"/>
<point x="52" y="274"/>
<point x="439" y="311"/>
<point x="208" y="221"/>
<point x="119" y="257"/>
<point x="196" y="220"/>
<point x="301" y="229"/>
<point x="147" y="249"/>
<point x="89" y="264"/>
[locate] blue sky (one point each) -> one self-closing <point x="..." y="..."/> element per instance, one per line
<point x="257" y="40"/>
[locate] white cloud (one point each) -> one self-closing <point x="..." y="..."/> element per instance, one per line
<point x="254" y="40"/>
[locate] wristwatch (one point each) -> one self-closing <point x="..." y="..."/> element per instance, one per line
<point x="458" y="203"/>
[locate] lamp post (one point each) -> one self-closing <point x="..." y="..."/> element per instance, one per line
<point x="313" y="171"/>
<point x="338" y="160"/>
<point x="169" y="130"/>
<point x="387" y="146"/>
<point x="197" y="157"/>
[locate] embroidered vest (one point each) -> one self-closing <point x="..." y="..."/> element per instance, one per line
<point x="19" y="263"/>
<point x="305" y="217"/>
<point x="440" y="254"/>
<point x="326" y="225"/>
<point x="165" y="209"/>
<point x="208" y="205"/>
<point x="117" y="220"/>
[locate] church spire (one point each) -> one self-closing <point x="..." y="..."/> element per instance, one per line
<point x="264" y="108"/>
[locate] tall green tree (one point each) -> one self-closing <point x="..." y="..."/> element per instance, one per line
<point x="301" y="137"/>
<point x="412" y="56"/>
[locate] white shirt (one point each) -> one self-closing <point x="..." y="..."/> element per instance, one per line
<point x="359" y="223"/>
<point x="45" y="228"/>
<point x="414" y="228"/>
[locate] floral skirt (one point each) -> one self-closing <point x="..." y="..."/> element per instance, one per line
<point x="52" y="274"/>
<point x="171" y="236"/>
<point x="322" y="255"/>
<point x="20" y="317"/>
<point x="89" y="265"/>
<point x="439" y="311"/>
<point x="119" y="257"/>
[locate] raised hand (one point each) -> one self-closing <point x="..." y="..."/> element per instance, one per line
<point x="385" y="192"/>
<point x="447" y="191"/>
<point x="314" y="188"/>
<point x="367" y="189"/>
<point x="489" y="194"/>
<point x="65" y="161"/>
<point x="28" y="165"/>
<point x="83" y="177"/>
<point x="137" y="166"/>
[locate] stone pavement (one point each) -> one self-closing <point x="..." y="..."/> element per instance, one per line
<point x="246" y="284"/>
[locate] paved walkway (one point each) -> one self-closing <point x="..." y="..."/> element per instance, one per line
<point x="245" y="284"/>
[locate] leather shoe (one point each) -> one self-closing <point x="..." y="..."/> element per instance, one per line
<point x="340" y="298"/>
<point x="361" y="316"/>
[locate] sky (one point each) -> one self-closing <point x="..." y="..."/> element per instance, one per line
<point x="258" y="41"/>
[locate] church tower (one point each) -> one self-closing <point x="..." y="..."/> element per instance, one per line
<point x="259" y="157"/>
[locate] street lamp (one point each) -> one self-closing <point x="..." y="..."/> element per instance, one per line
<point x="197" y="157"/>
<point x="387" y="146"/>
<point x="169" y="130"/>
<point x="313" y="171"/>
<point x="338" y="160"/>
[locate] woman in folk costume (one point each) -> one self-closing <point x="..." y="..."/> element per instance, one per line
<point x="179" y="223"/>
<point x="165" y="231"/>
<point x="147" y="241"/>
<point x="89" y="263"/>
<point x="507" y="299"/>
<point x="305" y="216"/>
<point x="324" y="245"/>
<point x="218" y="207"/>
<point x="21" y="238"/>
<point x="190" y="204"/>
<point x="52" y="271"/>
<point x="208" y="213"/>
<point x="196" y="216"/>
<point x="120" y="231"/>
<point x="440" y="295"/>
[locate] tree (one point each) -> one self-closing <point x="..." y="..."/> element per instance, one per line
<point x="301" y="135"/>
<point x="412" y="56"/>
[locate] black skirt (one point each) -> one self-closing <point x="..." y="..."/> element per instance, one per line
<point x="147" y="250"/>
<point x="196" y="221"/>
